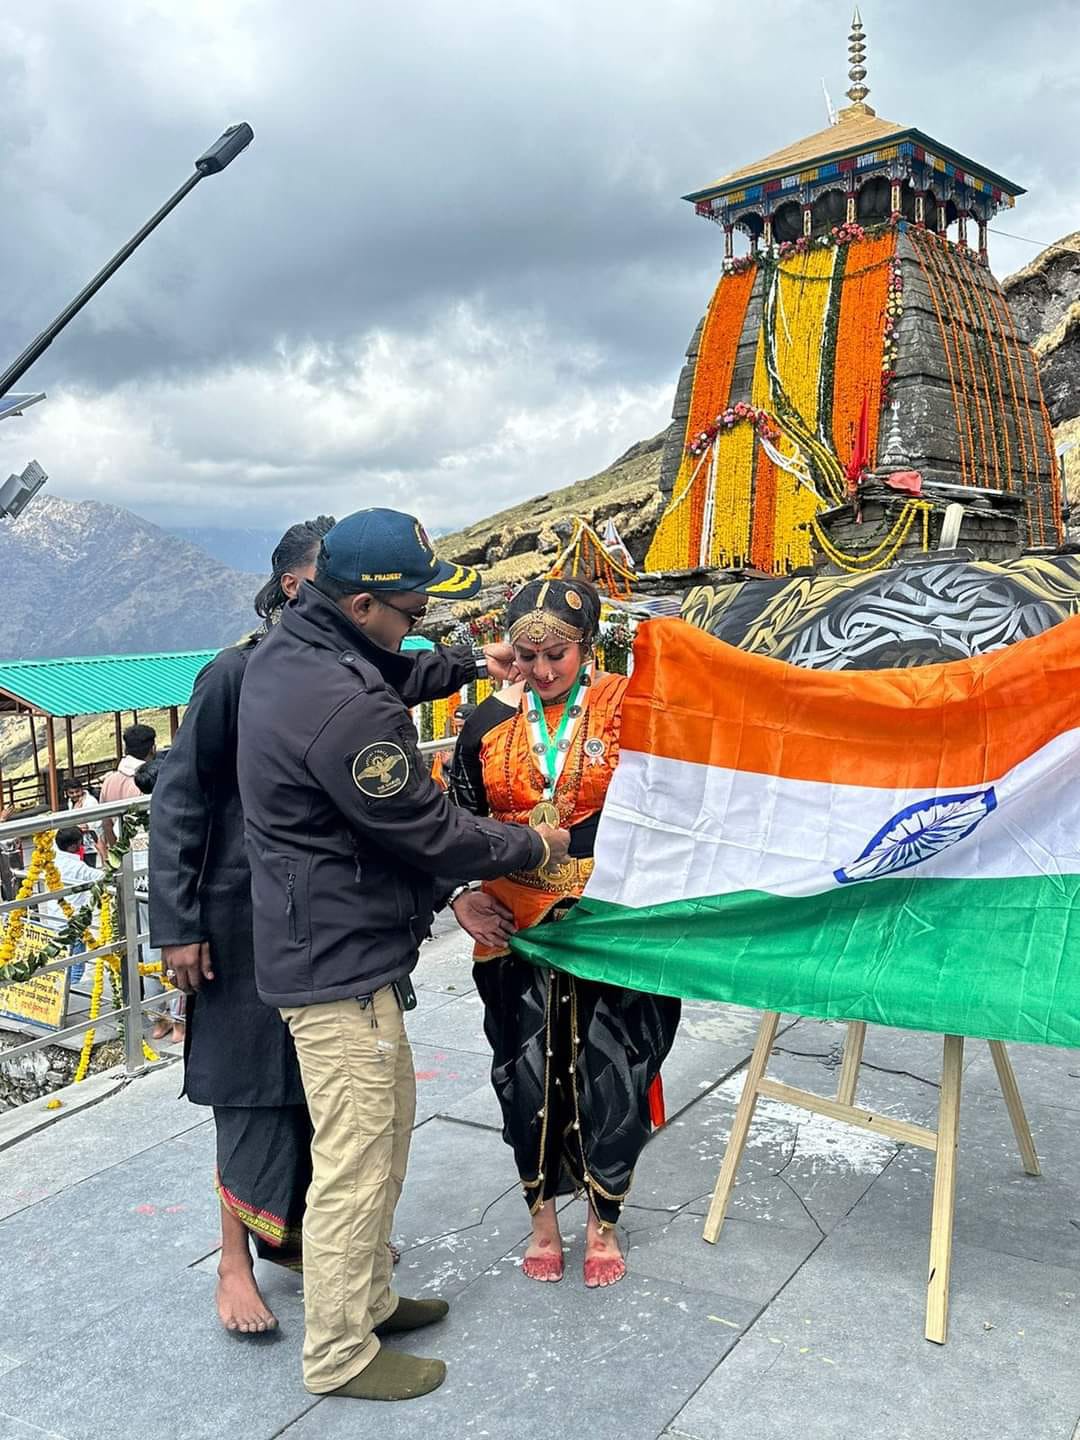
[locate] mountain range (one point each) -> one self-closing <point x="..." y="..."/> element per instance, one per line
<point x="82" y="578"/>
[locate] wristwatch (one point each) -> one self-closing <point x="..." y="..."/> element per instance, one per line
<point x="480" y="660"/>
<point x="457" y="894"/>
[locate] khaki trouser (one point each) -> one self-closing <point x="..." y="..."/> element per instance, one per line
<point x="360" y="1084"/>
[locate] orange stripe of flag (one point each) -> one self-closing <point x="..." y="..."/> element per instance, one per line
<point x="932" y="727"/>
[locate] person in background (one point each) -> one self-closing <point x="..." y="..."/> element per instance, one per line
<point x="168" y="1023"/>
<point x="81" y="797"/>
<point x="239" y="1057"/>
<point x="140" y="745"/>
<point x="441" y="762"/>
<point x="73" y="871"/>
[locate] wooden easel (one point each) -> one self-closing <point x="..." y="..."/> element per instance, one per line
<point x="942" y="1141"/>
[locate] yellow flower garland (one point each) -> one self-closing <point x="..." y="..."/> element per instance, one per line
<point x="16" y="921"/>
<point x="884" y="553"/>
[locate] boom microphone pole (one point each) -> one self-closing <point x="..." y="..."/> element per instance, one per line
<point x="221" y="153"/>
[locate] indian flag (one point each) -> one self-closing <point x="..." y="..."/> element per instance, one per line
<point x="897" y="846"/>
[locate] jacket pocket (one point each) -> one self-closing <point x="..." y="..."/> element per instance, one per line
<point x="292" y="874"/>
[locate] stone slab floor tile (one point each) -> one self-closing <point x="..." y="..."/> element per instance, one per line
<point x="162" y="1366"/>
<point x="456" y="1172"/>
<point x="534" y="1362"/>
<point x="144" y="1113"/>
<point x="445" y="1078"/>
<point x="841" y="1353"/>
<point x="997" y="1205"/>
<point x="751" y="1260"/>
<point x="12" y="1429"/>
<point x="446" y="964"/>
<point x="109" y="1240"/>
<point x="457" y="1024"/>
<point x="1045" y="1075"/>
<point x="797" y="1167"/>
<point x="481" y="1107"/>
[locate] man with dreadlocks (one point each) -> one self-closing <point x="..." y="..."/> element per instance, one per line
<point x="238" y="1056"/>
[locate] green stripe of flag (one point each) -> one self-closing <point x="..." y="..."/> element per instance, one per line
<point x="993" y="958"/>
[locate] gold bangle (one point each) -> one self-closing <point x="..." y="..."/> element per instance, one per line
<point x="547" y="853"/>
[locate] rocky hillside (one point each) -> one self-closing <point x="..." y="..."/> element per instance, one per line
<point x="517" y="544"/>
<point x="1045" y="299"/>
<point x="87" y="579"/>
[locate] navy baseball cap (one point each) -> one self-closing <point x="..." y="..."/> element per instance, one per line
<point x="388" y="550"/>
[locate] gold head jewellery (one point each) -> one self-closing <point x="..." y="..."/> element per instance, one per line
<point x="538" y="624"/>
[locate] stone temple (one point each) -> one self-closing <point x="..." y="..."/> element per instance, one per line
<point x="857" y="392"/>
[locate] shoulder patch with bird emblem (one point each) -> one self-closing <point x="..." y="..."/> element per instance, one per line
<point x="381" y="770"/>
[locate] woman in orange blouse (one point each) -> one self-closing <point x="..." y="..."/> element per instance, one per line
<point x="576" y="1064"/>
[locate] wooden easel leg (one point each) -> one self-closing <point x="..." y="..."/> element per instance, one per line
<point x="725" y="1183"/>
<point x="1021" y="1129"/>
<point x="941" y="1218"/>
<point x="849" y="1069"/>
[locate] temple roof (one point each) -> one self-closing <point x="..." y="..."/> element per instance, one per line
<point x="858" y="139"/>
<point x="858" y="130"/>
<point x="856" y="126"/>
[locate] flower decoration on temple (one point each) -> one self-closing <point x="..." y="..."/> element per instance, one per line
<point x="894" y="308"/>
<point x="739" y="414"/>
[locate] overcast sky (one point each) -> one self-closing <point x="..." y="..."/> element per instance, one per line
<point x="453" y="270"/>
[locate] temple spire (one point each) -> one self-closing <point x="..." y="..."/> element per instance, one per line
<point x="857" y="55"/>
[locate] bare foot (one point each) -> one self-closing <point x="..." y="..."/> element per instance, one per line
<point x="544" y="1256"/>
<point x="177" y="1036"/>
<point x="160" y="1030"/>
<point x="240" y="1306"/>
<point x="604" y="1263"/>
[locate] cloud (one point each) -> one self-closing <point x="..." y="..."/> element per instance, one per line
<point x="454" y="268"/>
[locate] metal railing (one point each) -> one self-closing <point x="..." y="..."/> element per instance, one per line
<point x="126" y="946"/>
<point x="128" y="942"/>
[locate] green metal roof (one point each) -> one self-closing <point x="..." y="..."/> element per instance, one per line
<point x="98" y="684"/>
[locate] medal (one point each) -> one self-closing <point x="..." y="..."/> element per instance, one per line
<point x="544" y="813"/>
<point x="594" y="749"/>
<point x="551" y="751"/>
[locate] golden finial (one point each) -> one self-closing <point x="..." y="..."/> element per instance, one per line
<point x="857" y="55"/>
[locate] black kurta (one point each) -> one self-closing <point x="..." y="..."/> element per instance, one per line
<point x="238" y="1051"/>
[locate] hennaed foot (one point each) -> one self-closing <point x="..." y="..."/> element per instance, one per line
<point x="544" y="1259"/>
<point x="604" y="1264"/>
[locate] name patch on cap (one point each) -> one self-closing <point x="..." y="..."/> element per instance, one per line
<point x="381" y="770"/>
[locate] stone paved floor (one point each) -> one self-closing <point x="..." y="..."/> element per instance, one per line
<point x="804" y="1321"/>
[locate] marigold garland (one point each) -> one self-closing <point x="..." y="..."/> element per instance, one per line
<point x="886" y="551"/>
<point x="858" y="374"/>
<point x="677" y="542"/>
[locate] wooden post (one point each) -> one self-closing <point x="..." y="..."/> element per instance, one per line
<point x="766" y="234"/>
<point x="807" y="221"/>
<point x="849" y="1069"/>
<point x="920" y="207"/>
<point x="725" y="1183"/>
<point x="69" y="734"/>
<point x="852" y="200"/>
<point x="1011" y="1091"/>
<point x="984" y="250"/>
<point x="944" y="1202"/>
<point x="54" y="785"/>
<point x="174" y="722"/>
<point x="34" y="744"/>
<point x="118" y="729"/>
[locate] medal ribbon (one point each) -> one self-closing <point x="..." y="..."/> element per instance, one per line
<point x="549" y="751"/>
